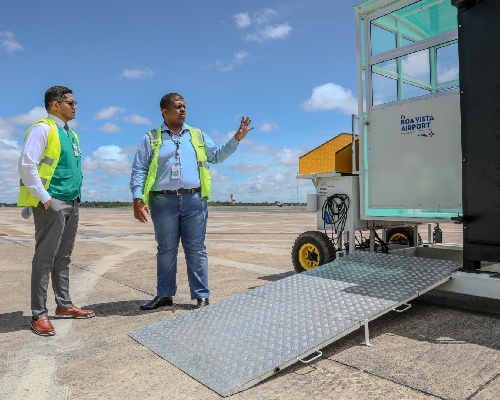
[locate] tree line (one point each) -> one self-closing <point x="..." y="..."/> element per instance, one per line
<point x="124" y="204"/>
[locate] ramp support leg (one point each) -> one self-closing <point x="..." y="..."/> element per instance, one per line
<point x="367" y="334"/>
<point x="352" y="240"/>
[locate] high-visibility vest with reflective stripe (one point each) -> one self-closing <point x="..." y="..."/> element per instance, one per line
<point x="47" y="165"/>
<point x="198" y="143"/>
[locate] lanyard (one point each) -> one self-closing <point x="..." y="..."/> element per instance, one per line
<point x="76" y="148"/>
<point x="177" y="139"/>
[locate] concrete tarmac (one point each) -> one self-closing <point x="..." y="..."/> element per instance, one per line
<point x="446" y="346"/>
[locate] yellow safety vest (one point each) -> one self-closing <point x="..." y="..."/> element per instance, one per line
<point x="199" y="146"/>
<point x="47" y="165"/>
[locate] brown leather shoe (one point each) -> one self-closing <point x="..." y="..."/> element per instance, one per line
<point x="42" y="326"/>
<point x="74" y="312"/>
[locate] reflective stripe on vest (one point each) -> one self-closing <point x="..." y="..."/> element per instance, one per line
<point x="47" y="165"/>
<point x="199" y="146"/>
<point x="203" y="170"/>
<point x="155" y="140"/>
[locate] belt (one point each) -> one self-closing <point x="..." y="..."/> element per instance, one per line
<point x="179" y="191"/>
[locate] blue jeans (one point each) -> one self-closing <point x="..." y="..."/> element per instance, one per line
<point x="181" y="217"/>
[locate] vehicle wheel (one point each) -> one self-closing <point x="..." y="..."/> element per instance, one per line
<point x="312" y="249"/>
<point x="402" y="236"/>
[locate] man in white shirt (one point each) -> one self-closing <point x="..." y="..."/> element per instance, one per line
<point x="51" y="181"/>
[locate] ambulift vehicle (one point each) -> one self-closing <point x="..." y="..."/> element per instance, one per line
<point x="427" y="144"/>
<point x="429" y="152"/>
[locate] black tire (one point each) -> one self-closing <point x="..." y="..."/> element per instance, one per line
<point x="403" y="236"/>
<point x="312" y="249"/>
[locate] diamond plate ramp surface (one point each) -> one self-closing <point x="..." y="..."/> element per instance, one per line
<point x="235" y="343"/>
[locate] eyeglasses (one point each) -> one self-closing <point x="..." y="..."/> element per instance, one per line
<point x="72" y="103"/>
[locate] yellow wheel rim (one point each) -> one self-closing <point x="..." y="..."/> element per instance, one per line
<point x="309" y="256"/>
<point x="397" y="236"/>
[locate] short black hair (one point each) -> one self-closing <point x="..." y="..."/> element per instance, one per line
<point x="169" y="99"/>
<point x="57" y="93"/>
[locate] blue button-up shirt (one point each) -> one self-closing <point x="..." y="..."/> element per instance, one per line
<point x="167" y="158"/>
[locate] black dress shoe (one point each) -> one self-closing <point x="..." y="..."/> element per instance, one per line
<point x="202" y="302"/>
<point x="158" y="301"/>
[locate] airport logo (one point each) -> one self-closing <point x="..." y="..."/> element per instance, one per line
<point x="419" y="125"/>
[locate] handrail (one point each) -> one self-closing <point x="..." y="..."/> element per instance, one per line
<point x="353" y="149"/>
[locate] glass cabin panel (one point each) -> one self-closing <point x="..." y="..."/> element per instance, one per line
<point x="416" y="66"/>
<point x="385" y="89"/>
<point x="410" y="91"/>
<point x="382" y="40"/>
<point x="447" y="63"/>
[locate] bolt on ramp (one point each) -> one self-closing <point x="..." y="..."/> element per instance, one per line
<point x="235" y="343"/>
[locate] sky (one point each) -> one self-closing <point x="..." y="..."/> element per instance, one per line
<point x="288" y="65"/>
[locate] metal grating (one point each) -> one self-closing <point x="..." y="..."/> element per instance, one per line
<point x="231" y="345"/>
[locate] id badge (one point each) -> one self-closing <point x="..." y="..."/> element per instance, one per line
<point x="76" y="150"/>
<point x="176" y="172"/>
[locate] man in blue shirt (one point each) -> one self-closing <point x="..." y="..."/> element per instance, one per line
<point x="170" y="181"/>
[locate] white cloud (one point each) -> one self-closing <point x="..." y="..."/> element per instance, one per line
<point x="277" y="184"/>
<point x="242" y="20"/>
<point x="238" y="58"/>
<point x="109" y="112"/>
<point x="446" y="75"/>
<point x="263" y="187"/>
<point x="248" y="139"/>
<point x="270" y="33"/>
<point x="137" y="73"/>
<point x="24" y="120"/>
<point x="9" y="43"/>
<point x="246" y="168"/>
<point x="264" y="16"/>
<point x="114" y="112"/>
<point x="9" y="177"/>
<point x="224" y="138"/>
<point x="73" y="123"/>
<point x="331" y="96"/>
<point x="416" y="65"/>
<point x="263" y="29"/>
<point x="104" y="191"/>
<point x="108" y="159"/>
<point x="130" y="150"/>
<point x="137" y="119"/>
<point x="216" y="176"/>
<point x="32" y="116"/>
<point x="6" y="129"/>
<point x="9" y="150"/>
<point x="109" y="127"/>
<point x="268" y="127"/>
<point x="288" y="156"/>
<point x="261" y="148"/>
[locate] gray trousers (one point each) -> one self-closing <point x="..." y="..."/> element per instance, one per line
<point x="55" y="232"/>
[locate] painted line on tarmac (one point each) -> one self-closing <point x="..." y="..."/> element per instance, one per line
<point x="31" y="371"/>
<point x="130" y="245"/>
<point x="255" y="247"/>
<point x="242" y="232"/>
<point x="245" y="266"/>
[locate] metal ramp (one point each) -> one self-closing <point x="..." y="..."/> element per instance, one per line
<point x="232" y="345"/>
